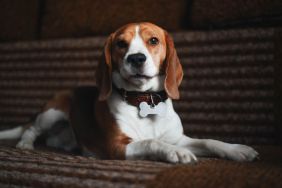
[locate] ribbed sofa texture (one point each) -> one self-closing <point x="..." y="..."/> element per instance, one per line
<point x="230" y="92"/>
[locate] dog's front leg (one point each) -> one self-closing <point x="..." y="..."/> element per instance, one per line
<point x="154" y="149"/>
<point x="208" y="147"/>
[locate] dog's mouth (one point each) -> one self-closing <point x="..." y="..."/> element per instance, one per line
<point x="140" y="76"/>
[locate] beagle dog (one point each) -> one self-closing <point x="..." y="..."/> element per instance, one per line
<point x="129" y="115"/>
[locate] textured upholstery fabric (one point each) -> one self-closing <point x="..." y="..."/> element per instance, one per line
<point x="226" y="12"/>
<point x="90" y="17"/>
<point x="18" y="20"/>
<point x="46" y="168"/>
<point x="38" y="19"/>
<point x="43" y="168"/>
<point x="219" y="173"/>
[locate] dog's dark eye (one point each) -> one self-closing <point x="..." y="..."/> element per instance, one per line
<point x="122" y="44"/>
<point x="153" y="41"/>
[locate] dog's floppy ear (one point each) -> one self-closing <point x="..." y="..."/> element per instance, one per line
<point x="104" y="71"/>
<point x="173" y="69"/>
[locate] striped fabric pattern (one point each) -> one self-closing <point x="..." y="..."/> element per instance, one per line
<point x="36" y="168"/>
<point x="50" y="168"/>
<point x="228" y="91"/>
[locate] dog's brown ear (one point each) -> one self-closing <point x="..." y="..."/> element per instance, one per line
<point x="104" y="71"/>
<point x="173" y="69"/>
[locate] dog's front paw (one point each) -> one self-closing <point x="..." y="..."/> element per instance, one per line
<point x="180" y="155"/>
<point x="25" y="145"/>
<point x="241" y="153"/>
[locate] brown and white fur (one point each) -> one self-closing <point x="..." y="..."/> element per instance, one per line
<point x="108" y="127"/>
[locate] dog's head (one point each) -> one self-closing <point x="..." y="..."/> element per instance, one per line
<point x="139" y="57"/>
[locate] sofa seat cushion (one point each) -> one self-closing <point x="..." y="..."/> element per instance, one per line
<point x="266" y="172"/>
<point x="45" y="167"/>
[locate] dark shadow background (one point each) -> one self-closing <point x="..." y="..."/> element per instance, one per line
<point x="43" y="19"/>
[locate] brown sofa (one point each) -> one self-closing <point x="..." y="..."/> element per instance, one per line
<point x="231" y="91"/>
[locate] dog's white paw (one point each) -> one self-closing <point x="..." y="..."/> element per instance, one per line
<point x="25" y="145"/>
<point x="241" y="153"/>
<point x="180" y="155"/>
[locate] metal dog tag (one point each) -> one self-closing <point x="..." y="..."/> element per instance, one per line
<point x="146" y="109"/>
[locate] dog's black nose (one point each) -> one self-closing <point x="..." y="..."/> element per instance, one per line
<point x="137" y="60"/>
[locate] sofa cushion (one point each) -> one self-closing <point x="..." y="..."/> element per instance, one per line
<point x="19" y="20"/>
<point x="45" y="167"/>
<point x="222" y="173"/>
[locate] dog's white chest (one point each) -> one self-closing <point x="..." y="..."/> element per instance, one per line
<point x="153" y="126"/>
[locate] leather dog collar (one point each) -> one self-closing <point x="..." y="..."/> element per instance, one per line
<point x="135" y="98"/>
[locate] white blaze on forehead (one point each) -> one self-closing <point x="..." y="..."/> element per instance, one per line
<point x="137" y="44"/>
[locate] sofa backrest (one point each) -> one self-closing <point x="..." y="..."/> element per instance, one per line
<point x="229" y="91"/>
